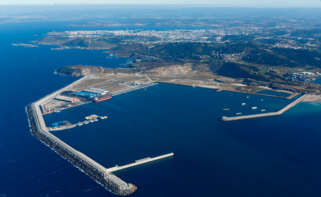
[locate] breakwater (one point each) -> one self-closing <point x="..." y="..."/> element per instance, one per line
<point x="94" y="170"/>
<point x="85" y="164"/>
<point x="277" y="113"/>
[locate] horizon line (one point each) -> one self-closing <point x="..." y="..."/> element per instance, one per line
<point x="158" y="4"/>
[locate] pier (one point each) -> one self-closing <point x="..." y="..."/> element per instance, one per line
<point x="139" y="162"/>
<point x="280" y="112"/>
<point x="88" y="120"/>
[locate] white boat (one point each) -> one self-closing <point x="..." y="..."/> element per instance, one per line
<point x="243" y="104"/>
<point x="254" y="108"/>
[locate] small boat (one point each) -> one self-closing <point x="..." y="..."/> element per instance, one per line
<point x="263" y="110"/>
<point x="226" y="109"/>
<point x="240" y="113"/>
<point x="254" y="108"/>
<point x="243" y="104"/>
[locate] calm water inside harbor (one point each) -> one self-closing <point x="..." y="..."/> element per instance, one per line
<point x="229" y="157"/>
<point x="276" y="156"/>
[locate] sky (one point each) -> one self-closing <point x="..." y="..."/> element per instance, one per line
<point x="219" y="3"/>
<point x="232" y="3"/>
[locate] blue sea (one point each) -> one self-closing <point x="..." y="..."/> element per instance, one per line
<point x="276" y="156"/>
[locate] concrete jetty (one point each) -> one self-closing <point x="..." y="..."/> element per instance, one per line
<point x="79" y="124"/>
<point x="139" y="162"/>
<point x="280" y="112"/>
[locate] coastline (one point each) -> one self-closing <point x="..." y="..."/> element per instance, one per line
<point x="312" y="98"/>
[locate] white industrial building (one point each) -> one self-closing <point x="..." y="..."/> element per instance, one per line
<point x="97" y="91"/>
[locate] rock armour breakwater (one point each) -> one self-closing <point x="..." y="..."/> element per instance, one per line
<point x="91" y="168"/>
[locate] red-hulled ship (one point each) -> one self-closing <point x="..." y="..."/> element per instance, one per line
<point x="103" y="98"/>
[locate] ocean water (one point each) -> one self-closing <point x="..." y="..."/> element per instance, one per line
<point x="276" y="156"/>
<point x="27" y="75"/>
<point x="318" y="80"/>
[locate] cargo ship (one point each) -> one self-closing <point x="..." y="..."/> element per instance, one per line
<point x="102" y="98"/>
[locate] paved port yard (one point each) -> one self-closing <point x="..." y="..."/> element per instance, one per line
<point x="280" y="112"/>
<point x="112" y="82"/>
<point x="115" y="83"/>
